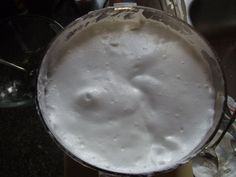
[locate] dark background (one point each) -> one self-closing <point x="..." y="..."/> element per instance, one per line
<point x="26" y="149"/>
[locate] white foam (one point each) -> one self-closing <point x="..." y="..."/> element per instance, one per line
<point x="129" y="100"/>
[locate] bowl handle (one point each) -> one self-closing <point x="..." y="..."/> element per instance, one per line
<point x="229" y="117"/>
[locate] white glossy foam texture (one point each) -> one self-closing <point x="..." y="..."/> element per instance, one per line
<point x="130" y="98"/>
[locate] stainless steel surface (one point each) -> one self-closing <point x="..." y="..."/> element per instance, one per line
<point x="187" y="5"/>
<point x="156" y="4"/>
<point x="175" y="8"/>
